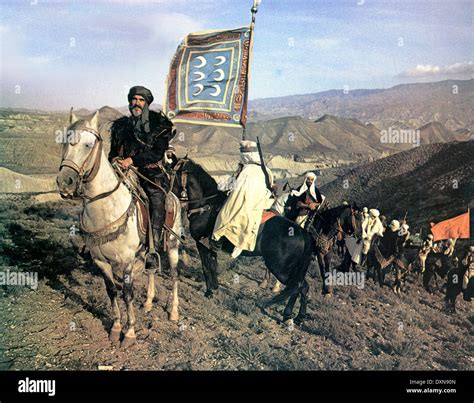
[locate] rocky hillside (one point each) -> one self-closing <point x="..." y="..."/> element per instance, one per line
<point x="431" y="183"/>
<point x="292" y="145"/>
<point x="12" y="182"/>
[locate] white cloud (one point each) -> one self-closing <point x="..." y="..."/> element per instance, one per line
<point x="458" y="70"/>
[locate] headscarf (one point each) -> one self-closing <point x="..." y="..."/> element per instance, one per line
<point x="170" y="160"/>
<point x="142" y="122"/>
<point x="249" y="152"/>
<point x="394" y="225"/>
<point x="304" y="186"/>
<point x="374" y="213"/>
<point x="404" y="230"/>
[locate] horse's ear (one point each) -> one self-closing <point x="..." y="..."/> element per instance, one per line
<point x="72" y="117"/>
<point x="94" y="122"/>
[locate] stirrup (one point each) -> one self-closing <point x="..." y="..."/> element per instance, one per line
<point x="153" y="261"/>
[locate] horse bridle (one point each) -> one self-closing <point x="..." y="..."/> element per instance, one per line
<point x="80" y="170"/>
<point x="86" y="176"/>
<point x="185" y="202"/>
<point x="333" y="231"/>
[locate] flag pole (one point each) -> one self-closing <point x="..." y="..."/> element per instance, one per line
<point x="254" y="11"/>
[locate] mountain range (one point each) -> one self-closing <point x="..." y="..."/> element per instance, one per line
<point x="450" y="102"/>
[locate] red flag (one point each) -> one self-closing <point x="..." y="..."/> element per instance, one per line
<point x="456" y="227"/>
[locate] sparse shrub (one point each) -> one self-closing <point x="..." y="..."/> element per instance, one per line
<point x="240" y="304"/>
<point x="40" y="247"/>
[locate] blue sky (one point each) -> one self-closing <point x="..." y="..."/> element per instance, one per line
<point x="55" y="54"/>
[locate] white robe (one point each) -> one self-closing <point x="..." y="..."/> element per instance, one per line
<point x="240" y="217"/>
<point x="354" y="248"/>
<point x="371" y="227"/>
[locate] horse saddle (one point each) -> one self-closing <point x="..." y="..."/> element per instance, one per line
<point x="267" y="214"/>
<point x="131" y="181"/>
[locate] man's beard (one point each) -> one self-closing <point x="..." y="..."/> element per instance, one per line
<point x="136" y="112"/>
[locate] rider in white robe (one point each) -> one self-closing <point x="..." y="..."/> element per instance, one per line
<point x="240" y="216"/>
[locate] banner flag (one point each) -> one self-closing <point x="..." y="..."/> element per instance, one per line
<point x="456" y="227"/>
<point x="207" y="80"/>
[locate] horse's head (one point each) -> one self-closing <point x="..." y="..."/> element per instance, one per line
<point x="81" y="151"/>
<point x="348" y="214"/>
<point x="179" y="178"/>
<point x="193" y="184"/>
<point x="332" y="219"/>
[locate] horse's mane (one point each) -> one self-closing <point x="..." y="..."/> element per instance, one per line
<point x="328" y="217"/>
<point x="209" y="185"/>
<point x="334" y="212"/>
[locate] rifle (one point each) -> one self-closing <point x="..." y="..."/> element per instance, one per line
<point x="264" y="168"/>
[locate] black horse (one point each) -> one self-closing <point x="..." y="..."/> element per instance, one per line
<point x="285" y="247"/>
<point x="325" y="226"/>
<point x="454" y="286"/>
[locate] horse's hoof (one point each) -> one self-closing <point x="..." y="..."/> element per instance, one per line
<point x="263" y="284"/>
<point x="298" y="321"/>
<point x="327" y="295"/>
<point x="209" y="294"/>
<point x="286" y="318"/>
<point x="128" y="341"/>
<point x="114" y="337"/>
<point x="147" y="307"/>
<point x="174" y="316"/>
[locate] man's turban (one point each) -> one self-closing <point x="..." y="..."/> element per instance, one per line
<point x="144" y="92"/>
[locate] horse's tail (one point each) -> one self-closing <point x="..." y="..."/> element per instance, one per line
<point x="298" y="275"/>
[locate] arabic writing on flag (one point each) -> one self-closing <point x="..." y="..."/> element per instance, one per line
<point x="207" y="81"/>
<point x="456" y="227"/>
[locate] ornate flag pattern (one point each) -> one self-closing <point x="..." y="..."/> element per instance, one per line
<point x="207" y="81"/>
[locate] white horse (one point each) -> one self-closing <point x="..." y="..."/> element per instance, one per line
<point x="110" y="221"/>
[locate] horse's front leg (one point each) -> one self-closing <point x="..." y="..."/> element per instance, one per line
<point x="108" y="275"/>
<point x="150" y="291"/>
<point x="173" y="258"/>
<point x="303" y="304"/>
<point x="130" y="336"/>
<point x="380" y="275"/>
<point x="322" y="270"/>
<point x="327" y="267"/>
<point x="288" y="311"/>
<point x="209" y="268"/>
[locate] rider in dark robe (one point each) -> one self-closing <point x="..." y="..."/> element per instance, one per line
<point x="389" y="243"/>
<point x="141" y="140"/>
<point x="309" y="199"/>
